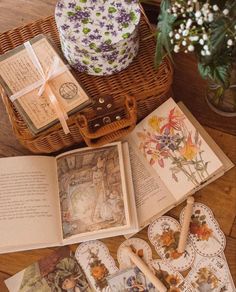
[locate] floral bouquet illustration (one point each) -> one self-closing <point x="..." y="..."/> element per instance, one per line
<point x="170" y="281"/>
<point x="169" y="240"/>
<point x="168" y="139"/>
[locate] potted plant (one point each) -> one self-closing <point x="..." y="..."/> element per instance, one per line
<point x="207" y="28"/>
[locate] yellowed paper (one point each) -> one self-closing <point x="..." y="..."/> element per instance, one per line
<point x="152" y="196"/>
<point x="29" y="205"/>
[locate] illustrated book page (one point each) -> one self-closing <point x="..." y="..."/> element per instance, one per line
<point x="29" y="203"/>
<point x="94" y="197"/>
<point x="171" y="157"/>
<point x="59" y="271"/>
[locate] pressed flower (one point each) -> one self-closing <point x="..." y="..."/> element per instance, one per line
<point x="190" y="150"/>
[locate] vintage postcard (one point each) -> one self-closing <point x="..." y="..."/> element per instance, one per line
<point x="58" y="272"/>
<point x="174" y="148"/>
<point x="164" y="234"/>
<point x="97" y="263"/>
<point x="92" y="190"/>
<point x="205" y="234"/>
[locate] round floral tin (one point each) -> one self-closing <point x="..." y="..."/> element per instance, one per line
<point x="99" y="37"/>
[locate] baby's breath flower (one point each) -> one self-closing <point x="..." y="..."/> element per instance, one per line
<point x="184" y="43"/>
<point x="226" y="11"/>
<point x="198" y="14"/>
<point x="203" y="53"/>
<point x="185" y="32"/>
<point x="208" y="53"/>
<point x="190" y="48"/>
<point x="201" y="42"/>
<point x="177" y="36"/>
<point x="205" y="37"/>
<point x="176" y="48"/>
<point x="170" y="33"/>
<point x="188" y="23"/>
<point x="205" y="47"/>
<point x="215" y="7"/>
<point x="230" y="42"/>
<point x="210" y="17"/>
<point x="200" y="21"/>
<point x="194" y="38"/>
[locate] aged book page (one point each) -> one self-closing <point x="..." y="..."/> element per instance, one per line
<point x="29" y="205"/>
<point x="94" y="197"/>
<point x="152" y="196"/>
<point x="175" y="150"/>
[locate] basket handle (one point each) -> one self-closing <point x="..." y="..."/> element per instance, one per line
<point x="112" y="131"/>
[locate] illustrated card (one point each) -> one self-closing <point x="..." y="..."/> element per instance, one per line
<point x="92" y="190"/>
<point x="97" y="263"/>
<point x="171" y="278"/>
<point x="205" y="233"/>
<point x="130" y="279"/>
<point x="58" y="272"/>
<point x="164" y="234"/>
<point x="210" y="274"/>
<point x="175" y="149"/>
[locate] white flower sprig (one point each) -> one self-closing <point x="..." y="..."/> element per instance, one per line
<point x="193" y="30"/>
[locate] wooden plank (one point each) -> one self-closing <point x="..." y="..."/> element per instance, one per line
<point x="191" y="88"/>
<point x="230" y="253"/>
<point x="3" y="277"/>
<point x="233" y="230"/>
<point x="16" y="13"/>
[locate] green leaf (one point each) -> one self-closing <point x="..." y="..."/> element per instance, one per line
<point x="85" y="21"/>
<point x="112" y="9"/>
<point x="126" y="35"/>
<point x="78" y="8"/>
<point x="86" y="30"/>
<point x="97" y="70"/>
<point x="165" y="23"/>
<point x="83" y="1"/>
<point x="216" y="72"/>
<point x="133" y="16"/>
<point x="70" y="13"/>
<point x="92" y="46"/>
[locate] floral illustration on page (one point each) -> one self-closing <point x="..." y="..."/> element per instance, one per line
<point x="168" y="139"/>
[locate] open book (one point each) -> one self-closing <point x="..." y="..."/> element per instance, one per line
<point x="172" y="156"/>
<point x="77" y="196"/>
<point x="92" y="193"/>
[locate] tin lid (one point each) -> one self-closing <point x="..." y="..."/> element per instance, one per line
<point x="97" y="25"/>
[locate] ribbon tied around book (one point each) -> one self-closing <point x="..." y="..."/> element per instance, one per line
<point x="55" y="69"/>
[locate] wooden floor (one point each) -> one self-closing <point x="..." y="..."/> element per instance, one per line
<point x="188" y="87"/>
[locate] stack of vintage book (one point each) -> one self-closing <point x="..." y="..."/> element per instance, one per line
<point x="116" y="189"/>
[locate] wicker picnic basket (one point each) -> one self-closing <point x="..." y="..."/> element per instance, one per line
<point x="138" y="89"/>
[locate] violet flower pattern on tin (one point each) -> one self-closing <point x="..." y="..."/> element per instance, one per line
<point x="98" y="37"/>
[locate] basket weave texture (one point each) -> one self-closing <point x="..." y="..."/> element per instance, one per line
<point x="141" y="80"/>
